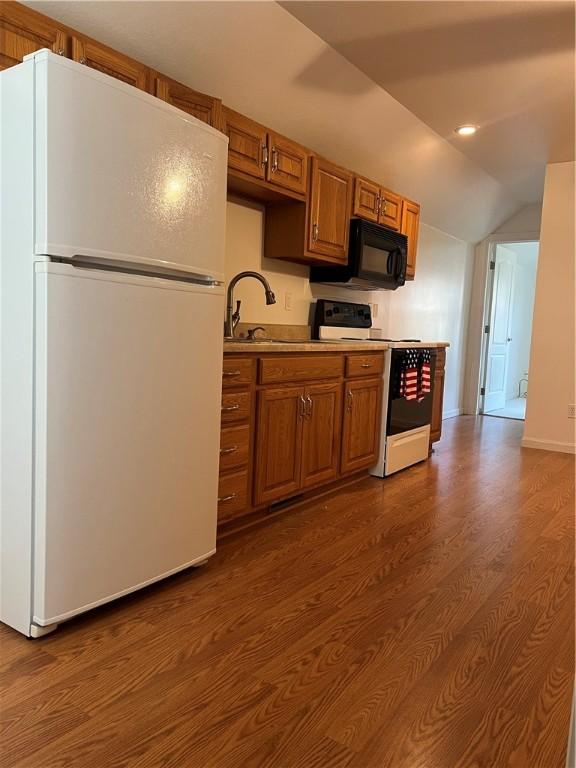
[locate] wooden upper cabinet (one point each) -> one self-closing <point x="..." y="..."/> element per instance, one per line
<point x="390" y="209"/>
<point x="329" y="212"/>
<point x="248" y="144"/>
<point x="278" y="443"/>
<point x="438" y="395"/>
<point x="321" y="433"/>
<point x="409" y="227"/>
<point x="110" y="62"/>
<point x="375" y="203"/>
<point x="287" y="164"/>
<point x="199" y="105"/>
<point x="366" y="199"/>
<point x="23" y="31"/>
<point x="361" y="435"/>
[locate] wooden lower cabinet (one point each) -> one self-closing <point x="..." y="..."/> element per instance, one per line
<point x="438" y="396"/>
<point x="361" y="432"/>
<point x="278" y="443"/>
<point x="321" y="434"/>
<point x="290" y="433"/>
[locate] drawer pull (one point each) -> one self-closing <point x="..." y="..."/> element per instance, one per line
<point x="365" y="365"/>
<point x="231" y="373"/>
<point x="232" y="449"/>
<point x="234" y="407"/>
<point x="222" y="499"/>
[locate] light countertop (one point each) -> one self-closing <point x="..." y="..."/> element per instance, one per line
<point x="325" y="346"/>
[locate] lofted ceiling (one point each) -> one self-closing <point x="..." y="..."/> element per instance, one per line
<point x="263" y="61"/>
<point x="507" y="67"/>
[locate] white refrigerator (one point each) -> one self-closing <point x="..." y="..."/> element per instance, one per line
<point x="112" y="238"/>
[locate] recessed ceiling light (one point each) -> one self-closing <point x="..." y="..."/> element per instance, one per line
<point x="465" y="130"/>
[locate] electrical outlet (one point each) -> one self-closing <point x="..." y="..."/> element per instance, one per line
<point x="374" y="311"/>
<point x="288" y="301"/>
<point x="572" y="411"/>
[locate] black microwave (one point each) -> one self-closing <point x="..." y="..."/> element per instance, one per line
<point x="376" y="259"/>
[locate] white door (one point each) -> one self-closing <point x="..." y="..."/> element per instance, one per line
<point x="123" y="175"/>
<point x="128" y="389"/>
<point x="499" y="334"/>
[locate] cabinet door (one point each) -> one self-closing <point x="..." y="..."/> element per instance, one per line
<point x="23" y="31"/>
<point x="366" y="199"/>
<point x="438" y="396"/>
<point x="288" y="164"/>
<point x="410" y="226"/>
<point x="390" y="209"/>
<point x="330" y="203"/>
<point x="279" y="443"/>
<point x="199" y="105"/>
<point x="321" y="433"/>
<point x="110" y="62"/>
<point x="361" y="431"/>
<point x="247" y="148"/>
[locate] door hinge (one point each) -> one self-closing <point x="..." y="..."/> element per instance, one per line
<point x="492" y="265"/>
<point x="486" y="329"/>
<point x="482" y="390"/>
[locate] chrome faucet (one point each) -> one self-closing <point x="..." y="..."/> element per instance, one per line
<point x="232" y="319"/>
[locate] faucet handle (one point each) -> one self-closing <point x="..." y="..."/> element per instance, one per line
<point x="252" y="332"/>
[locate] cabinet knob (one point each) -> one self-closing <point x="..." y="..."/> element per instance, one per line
<point x="234" y="407"/>
<point x="222" y="499"/>
<point x="60" y="52"/>
<point x="274" y="159"/>
<point x="225" y="451"/>
<point x="315" y="232"/>
<point x="83" y="60"/>
<point x="365" y="365"/>
<point x="350" y="398"/>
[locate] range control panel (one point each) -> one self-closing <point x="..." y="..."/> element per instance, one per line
<point x="341" y="314"/>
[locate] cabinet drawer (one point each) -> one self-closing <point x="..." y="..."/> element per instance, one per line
<point x="364" y="365"/>
<point x="237" y="371"/>
<point x="232" y="495"/>
<point x="235" y="406"/>
<point x="277" y="370"/>
<point x="234" y="447"/>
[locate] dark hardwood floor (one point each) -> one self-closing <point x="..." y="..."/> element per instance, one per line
<point x="425" y="621"/>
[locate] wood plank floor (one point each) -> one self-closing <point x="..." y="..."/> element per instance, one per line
<point x="425" y="621"/>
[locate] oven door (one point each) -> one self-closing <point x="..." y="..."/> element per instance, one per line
<point x="405" y="415"/>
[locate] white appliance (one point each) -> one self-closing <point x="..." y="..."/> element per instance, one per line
<point x="405" y="424"/>
<point x="113" y="224"/>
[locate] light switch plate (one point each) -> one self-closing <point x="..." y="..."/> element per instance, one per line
<point x="288" y="301"/>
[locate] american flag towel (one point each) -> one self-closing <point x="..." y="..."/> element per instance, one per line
<point x="415" y="374"/>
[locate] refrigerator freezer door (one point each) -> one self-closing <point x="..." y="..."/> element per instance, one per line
<point x="121" y="174"/>
<point x="128" y="389"/>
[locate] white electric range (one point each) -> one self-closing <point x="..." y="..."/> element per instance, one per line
<point x="405" y="425"/>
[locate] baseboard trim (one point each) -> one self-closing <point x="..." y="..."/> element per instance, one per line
<point x="547" y="445"/>
<point x="452" y="413"/>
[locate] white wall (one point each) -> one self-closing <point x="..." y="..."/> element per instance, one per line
<point x="552" y="358"/>
<point x="521" y="315"/>
<point x="434" y="307"/>
<point x="524" y="223"/>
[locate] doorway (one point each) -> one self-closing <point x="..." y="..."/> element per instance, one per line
<point x="510" y="297"/>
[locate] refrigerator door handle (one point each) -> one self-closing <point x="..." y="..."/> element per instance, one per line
<point x="141" y="266"/>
